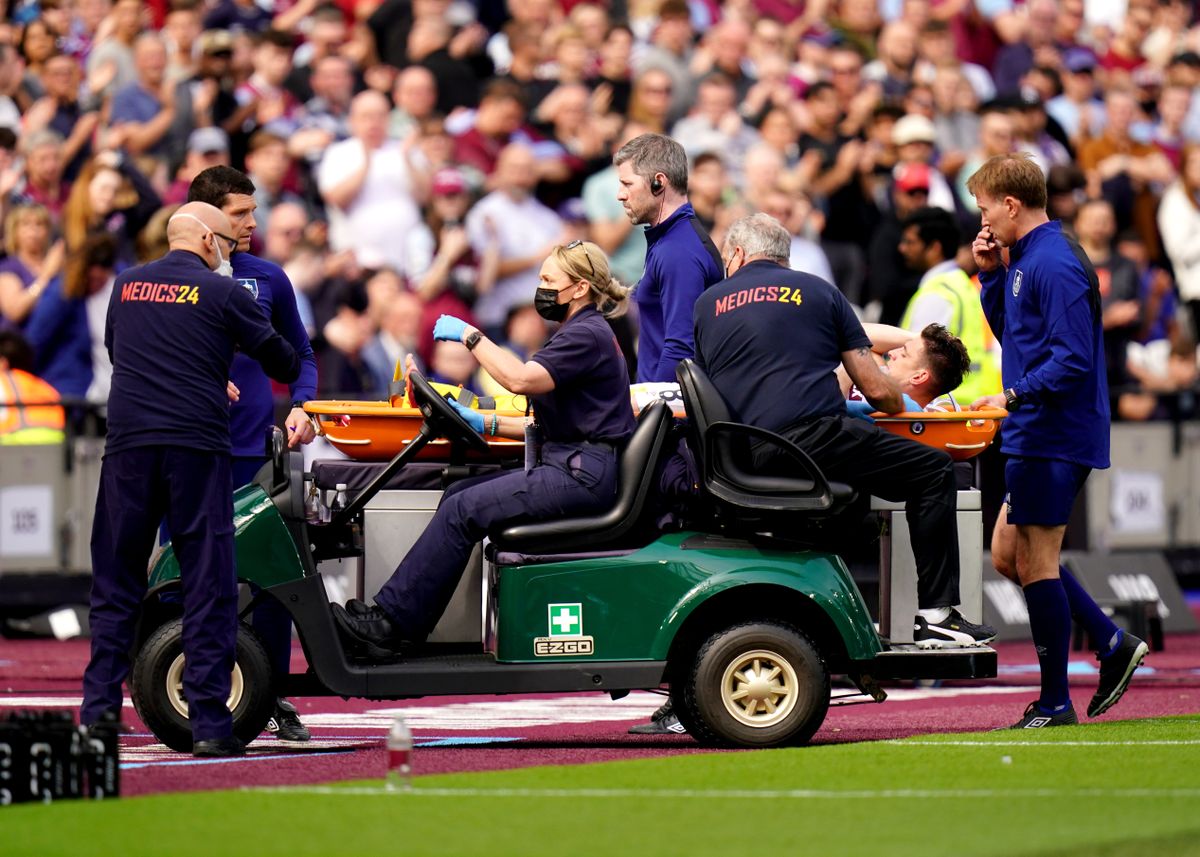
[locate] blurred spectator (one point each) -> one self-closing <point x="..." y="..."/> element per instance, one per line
<point x="206" y="147"/>
<point x="525" y="229"/>
<point x="708" y="186"/>
<point x="1125" y="170"/>
<point x="613" y="76"/>
<point x="111" y="195"/>
<point x="328" y="110"/>
<point x="525" y="331"/>
<point x="453" y="363"/>
<point x="181" y="32"/>
<point x="396" y="339"/>
<point x="415" y="96"/>
<point x="429" y="45"/>
<point x="723" y="49"/>
<point x="798" y="215"/>
<point x="996" y="137"/>
<point x="670" y="51"/>
<point x="914" y="137"/>
<point x="446" y="272"/>
<point x="268" y="165"/>
<point x="110" y="65"/>
<point x="30" y="265"/>
<point x="1179" y="223"/>
<point x="956" y="116"/>
<point x="58" y="327"/>
<point x="18" y="385"/>
<point x="1065" y="191"/>
<point x="43" y="179"/>
<point x="327" y="36"/>
<point x="1032" y="135"/>
<point x="145" y="113"/>
<point x="856" y="98"/>
<point x="1036" y="40"/>
<point x="263" y="100"/>
<point x="938" y="50"/>
<point x="1174" y="105"/>
<point x="373" y="186"/>
<point x="499" y="121"/>
<point x="237" y="15"/>
<point x="715" y="124"/>
<point x="10" y="85"/>
<point x="890" y="282"/>
<point x="650" y="100"/>
<point x="62" y="111"/>
<point x="893" y="69"/>
<point x="37" y="45"/>
<point x="610" y="227"/>
<point x="1077" y="110"/>
<point x="1095" y="228"/>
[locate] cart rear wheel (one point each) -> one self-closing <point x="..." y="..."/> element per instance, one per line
<point x="759" y="684"/>
<point x="156" y="683"/>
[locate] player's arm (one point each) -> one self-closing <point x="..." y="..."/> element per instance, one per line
<point x="879" y="388"/>
<point x="885" y="337"/>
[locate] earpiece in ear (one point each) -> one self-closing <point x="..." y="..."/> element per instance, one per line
<point x="656" y="186"/>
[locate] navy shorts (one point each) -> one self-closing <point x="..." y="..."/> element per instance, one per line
<point x="1041" y="491"/>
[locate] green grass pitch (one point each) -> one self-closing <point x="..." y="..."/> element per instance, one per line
<point x="1100" y="790"/>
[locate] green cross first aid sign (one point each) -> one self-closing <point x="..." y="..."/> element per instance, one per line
<point x="566" y="620"/>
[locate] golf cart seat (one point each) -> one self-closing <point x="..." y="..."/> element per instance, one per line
<point x="613" y="528"/>
<point x="722" y="451"/>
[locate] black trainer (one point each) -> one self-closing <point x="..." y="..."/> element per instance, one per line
<point x="218" y="748"/>
<point x="285" y="723"/>
<point x="370" y="633"/>
<point x="1115" y="672"/>
<point x="952" y="632"/>
<point x="662" y="722"/>
<point x="1035" y="719"/>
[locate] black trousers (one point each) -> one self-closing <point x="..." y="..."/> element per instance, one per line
<point x="875" y="462"/>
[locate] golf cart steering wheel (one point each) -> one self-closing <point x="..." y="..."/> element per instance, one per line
<point x="442" y="417"/>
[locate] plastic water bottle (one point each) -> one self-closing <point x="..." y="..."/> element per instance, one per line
<point x="399" y="756"/>
<point x="340" y="500"/>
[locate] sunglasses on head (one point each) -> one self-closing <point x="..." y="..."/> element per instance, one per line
<point x="578" y="243"/>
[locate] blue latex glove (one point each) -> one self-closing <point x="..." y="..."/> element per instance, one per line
<point x="860" y="411"/>
<point x="470" y="416"/>
<point x="449" y="329"/>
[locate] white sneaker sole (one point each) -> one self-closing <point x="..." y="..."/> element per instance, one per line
<point x="966" y="642"/>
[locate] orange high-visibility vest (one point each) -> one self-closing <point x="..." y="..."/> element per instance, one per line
<point x="29" y="409"/>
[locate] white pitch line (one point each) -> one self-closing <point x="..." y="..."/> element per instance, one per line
<point x="789" y="794"/>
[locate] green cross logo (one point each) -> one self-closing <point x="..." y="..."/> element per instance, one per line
<point x="566" y="620"/>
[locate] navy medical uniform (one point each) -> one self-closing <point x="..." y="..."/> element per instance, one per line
<point x="173" y="326"/>
<point x="768" y="329"/>
<point x="585" y="420"/>
<point x="681" y="262"/>
<point x="254" y="413"/>
<point x="1045" y="308"/>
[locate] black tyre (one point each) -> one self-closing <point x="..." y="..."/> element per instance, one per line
<point x="156" y="686"/>
<point x="758" y="684"/>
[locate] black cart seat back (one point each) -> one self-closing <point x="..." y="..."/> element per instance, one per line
<point x="722" y="448"/>
<point x="607" y="530"/>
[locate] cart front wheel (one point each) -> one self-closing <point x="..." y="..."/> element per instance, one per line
<point x="758" y="684"/>
<point x="157" y="686"/>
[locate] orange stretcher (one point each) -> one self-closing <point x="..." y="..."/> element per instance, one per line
<point x="378" y="431"/>
<point x="963" y="434"/>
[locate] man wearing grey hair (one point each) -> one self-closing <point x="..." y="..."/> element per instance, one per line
<point x="768" y="328"/>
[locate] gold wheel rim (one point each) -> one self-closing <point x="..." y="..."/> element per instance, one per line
<point x="759" y="688"/>
<point x="176" y="696"/>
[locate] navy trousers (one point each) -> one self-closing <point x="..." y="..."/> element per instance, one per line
<point x="571" y="480"/>
<point x="193" y="488"/>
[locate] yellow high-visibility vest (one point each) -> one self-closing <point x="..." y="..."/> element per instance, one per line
<point x="968" y="323"/>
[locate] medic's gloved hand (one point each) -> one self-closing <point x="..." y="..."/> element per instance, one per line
<point x="910" y="405"/>
<point x="860" y="411"/>
<point x="471" y="417"/>
<point x="449" y="329"/>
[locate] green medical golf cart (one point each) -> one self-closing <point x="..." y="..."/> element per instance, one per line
<point x="742" y="623"/>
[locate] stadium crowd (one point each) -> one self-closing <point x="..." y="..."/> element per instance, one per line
<point x="420" y="157"/>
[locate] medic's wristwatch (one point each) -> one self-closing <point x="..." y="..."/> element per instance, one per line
<point x="472" y="339"/>
<point x="1011" y="400"/>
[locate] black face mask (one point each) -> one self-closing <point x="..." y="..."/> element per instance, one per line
<point x="545" y="301"/>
